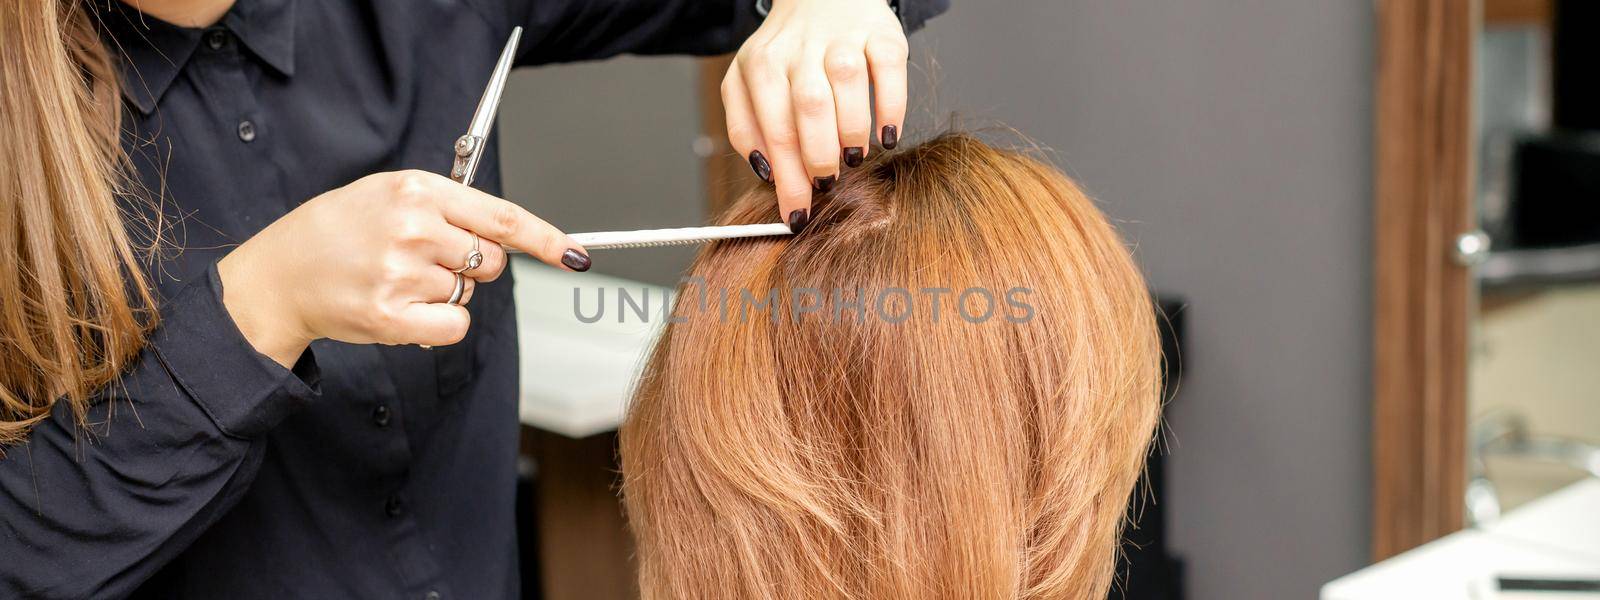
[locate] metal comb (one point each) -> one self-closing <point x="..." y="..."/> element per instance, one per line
<point x="648" y="238"/>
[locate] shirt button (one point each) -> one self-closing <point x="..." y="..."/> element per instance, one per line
<point x="247" y="131"/>
<point x="395" y="506"/>
<point x="216" y="39"/>
<point x="380" y="415"/>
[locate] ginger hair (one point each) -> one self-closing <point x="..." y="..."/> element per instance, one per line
<point x="827" y="454"/>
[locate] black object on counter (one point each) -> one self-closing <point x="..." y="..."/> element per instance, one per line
<point x="1551" y="233"/>
<point x="1557" y="175"/>
<point x="1575" y="92"/>
<point x="1556" y="198"/>
<point x="1530" y="584"/>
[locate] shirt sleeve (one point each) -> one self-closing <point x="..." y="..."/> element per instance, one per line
<point x="171" y="446"/>
<point x="914" y="14"/>
<point x="573" y="30"/>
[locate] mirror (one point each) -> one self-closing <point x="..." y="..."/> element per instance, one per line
<point x="1533" y="367"/>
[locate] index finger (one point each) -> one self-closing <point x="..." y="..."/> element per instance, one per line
<point x="502" y="222"/>
<point x="886" y="60"/>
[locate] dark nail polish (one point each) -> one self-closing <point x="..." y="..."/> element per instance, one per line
<point x="890" y="137"/>
<point x="798" y="219"/>
<point x="852" y="156"/>
<point x="759" y="164"/>
<point x="575" y="260"/>
<point x="824" y="184"/>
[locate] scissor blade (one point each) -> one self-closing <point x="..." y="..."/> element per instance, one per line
<point x="483" y="119"/>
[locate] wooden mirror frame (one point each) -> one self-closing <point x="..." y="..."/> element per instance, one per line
<point x="1423" y="190"/>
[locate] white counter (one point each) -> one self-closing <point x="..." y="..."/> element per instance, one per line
<point x="577" y="376"/>
<point x="1557" y="536"/>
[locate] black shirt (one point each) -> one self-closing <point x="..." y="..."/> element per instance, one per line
<point x="366" y="471"/>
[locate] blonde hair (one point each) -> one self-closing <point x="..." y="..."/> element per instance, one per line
<point x="834" y="454"/>
<point x="76" y="308"/>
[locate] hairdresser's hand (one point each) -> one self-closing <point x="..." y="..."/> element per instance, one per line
<point x="799" y="96"/>
<point x="370" y="263"/>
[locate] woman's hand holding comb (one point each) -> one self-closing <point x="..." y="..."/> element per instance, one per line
<point x="801" y="94"/>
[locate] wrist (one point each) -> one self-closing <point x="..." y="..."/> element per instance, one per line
<point x="265" y="319"/>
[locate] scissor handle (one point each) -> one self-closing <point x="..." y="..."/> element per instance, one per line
<point x="469" y="148"/>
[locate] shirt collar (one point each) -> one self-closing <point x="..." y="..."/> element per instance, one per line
<point x="267" y="28"/>
<point x="153" y="51"/>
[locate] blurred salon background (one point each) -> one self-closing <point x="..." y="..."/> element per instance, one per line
<point x="1373" y="225"/>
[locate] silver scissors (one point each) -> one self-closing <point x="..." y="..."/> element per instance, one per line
<point x="469" y="151"/>
<point x="470" y="146"/>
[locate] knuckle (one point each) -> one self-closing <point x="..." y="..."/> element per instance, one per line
<point x="410" y="187"/>
<point x="553" y="247"/>
<point x="741" y="133"/>
<point x="889" y="47"/>
<point x="770" y="56"/>
<point x="493" y="264"/>
<point x="810" y="97"/>
<point x="795" y="188"/>
<point x="844" y="66"/>
<point x="506" y="220"/>
<point x="812" y="108"/>
<point x="394" y="269"/>
<point x="782" y="138"/>
<point x="755" y="60"/>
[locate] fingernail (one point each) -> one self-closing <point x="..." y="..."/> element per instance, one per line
<point x="890" y="137"/>
<point x="575" y="260"/>
<point x="759" y="164"/>
<point x="852" y="156"/>
<point x="823" y="184"/>
<point x="798" y="220"/>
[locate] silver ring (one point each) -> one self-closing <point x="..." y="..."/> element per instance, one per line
<point x="461" y="288"/>
<point x="474" y="258"/>
<point x="455" y="296"/>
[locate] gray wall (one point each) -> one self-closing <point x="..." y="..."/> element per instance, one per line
<point x="608" y="146"/>
<point x="1231" y="139"/>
